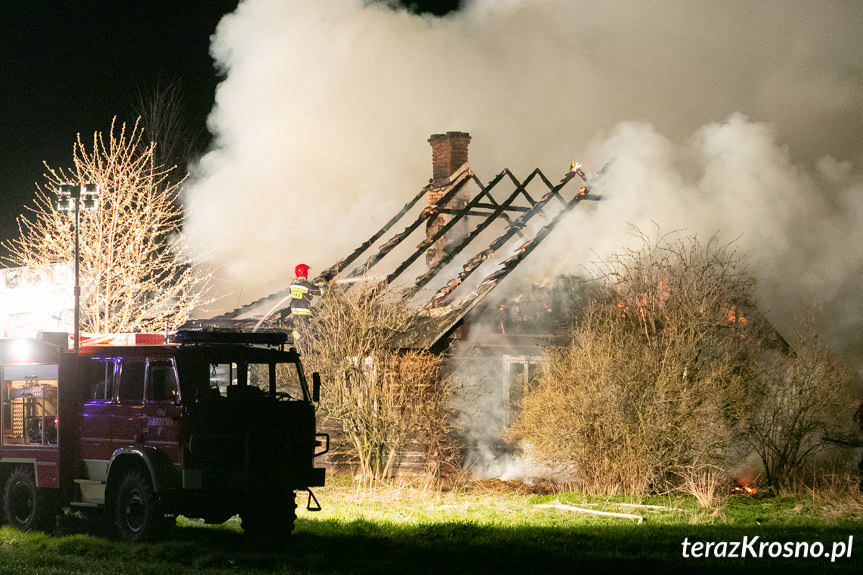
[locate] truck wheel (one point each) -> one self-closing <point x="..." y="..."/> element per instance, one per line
<point x="26" y="506"/>
<point x="135" y="509"/>
<point x="270" y="519"/>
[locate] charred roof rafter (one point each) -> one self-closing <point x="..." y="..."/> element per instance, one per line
<point x="514" y="228"/>
<point x="340" y="265"/>
<point x="495" y="208"/>
<point x="393" y="242"/>
<point x="490" y="218"/>
<point x="457" y="214"/>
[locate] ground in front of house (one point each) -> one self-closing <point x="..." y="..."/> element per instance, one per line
<point x="483" y="527"/>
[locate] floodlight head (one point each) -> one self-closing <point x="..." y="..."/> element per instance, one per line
<point x="64" y="204"/>
<point x="90" y="197"/>
<point x="68" y="189"/>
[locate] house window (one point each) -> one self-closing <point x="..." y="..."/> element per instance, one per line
<point x="520" y="374"/>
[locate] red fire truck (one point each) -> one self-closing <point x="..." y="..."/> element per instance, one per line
<point x="211" y="425"/>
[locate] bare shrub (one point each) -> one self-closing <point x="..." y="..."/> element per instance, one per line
<point x="838" y="494"/>
<point x="655" y="377"/>
<point x="708" y="484"/>
<point x="800" y="408"/>
<point x="385" y="400"/>
<point x="673" y="377"/>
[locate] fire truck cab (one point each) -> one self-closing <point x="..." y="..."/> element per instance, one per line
<point x="212" y="425"/>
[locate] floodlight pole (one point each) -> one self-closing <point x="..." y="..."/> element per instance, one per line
<point x="71" y="197"/>
<point x="77" y="290"/>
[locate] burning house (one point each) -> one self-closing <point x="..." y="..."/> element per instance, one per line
<point x="447" y="251"/>
<point x="455" y="255"/>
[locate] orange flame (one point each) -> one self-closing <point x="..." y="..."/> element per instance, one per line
<point x="744" y="489"/>
<point x="734" y="316"/>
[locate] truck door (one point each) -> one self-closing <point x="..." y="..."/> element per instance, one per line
<point x="129" y="419"/>
<point x="96" y="444"/>
<point x="162" y="408"/>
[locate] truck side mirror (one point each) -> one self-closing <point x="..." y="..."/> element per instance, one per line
<point x="316" y="387"/>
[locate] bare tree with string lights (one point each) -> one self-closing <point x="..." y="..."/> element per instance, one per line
<point x="135" y="272"/>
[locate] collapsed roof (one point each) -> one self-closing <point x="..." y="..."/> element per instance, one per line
<point x="462" y="264"/>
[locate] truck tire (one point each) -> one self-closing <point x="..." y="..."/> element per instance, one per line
<point x="270" y="519"/>
<point x="26" y="507"/>
<point x="136" y="510"/>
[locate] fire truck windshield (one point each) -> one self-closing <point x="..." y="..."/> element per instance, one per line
<point x="224" y="379"/>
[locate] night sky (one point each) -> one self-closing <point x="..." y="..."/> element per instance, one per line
<point x="69" y="67"/>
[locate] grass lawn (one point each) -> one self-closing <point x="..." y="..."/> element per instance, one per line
<point x="487" y="528"/>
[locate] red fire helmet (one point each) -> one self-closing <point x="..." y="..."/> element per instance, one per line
<point x="301" y="271"/>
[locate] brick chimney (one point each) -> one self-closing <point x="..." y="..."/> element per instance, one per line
<point x="449" y="153"/>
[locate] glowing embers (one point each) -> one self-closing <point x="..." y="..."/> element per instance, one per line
<point x="441" y="294"/>
<point x="474" y="262"/>
<point x="529" y="312"/>
<point x="744" y="490"/>
<point x="734" y="316"/>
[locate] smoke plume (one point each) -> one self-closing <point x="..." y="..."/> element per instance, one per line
<point x="733" y="116"/>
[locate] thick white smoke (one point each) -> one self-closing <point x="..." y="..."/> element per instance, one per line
<point x="740" y="117"/>
<point x="799" y="229"/>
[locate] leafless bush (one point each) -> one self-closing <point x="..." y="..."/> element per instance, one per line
<point x="654" y="379"/>
<point x="673" y="377"/>
<point x="386" y="400"/>
<point x="708" y="484"/>
<point x="800" y="408"/>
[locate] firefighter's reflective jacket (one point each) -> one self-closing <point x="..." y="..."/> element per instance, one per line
<point x="301" y="296"/>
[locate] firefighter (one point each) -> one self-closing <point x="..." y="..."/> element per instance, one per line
<point x="301" y="299"/>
